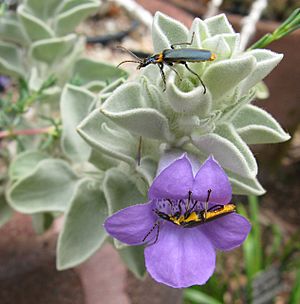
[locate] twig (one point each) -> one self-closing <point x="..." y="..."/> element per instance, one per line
<point x="10" y="133"/>
<point x="249" y="22"/>
<point x="213" y="8"/>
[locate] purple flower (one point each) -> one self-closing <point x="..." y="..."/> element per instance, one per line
<point x="4" y="83"/>
<point x="182" y="224"/>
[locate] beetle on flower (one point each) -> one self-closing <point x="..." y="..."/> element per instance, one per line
<point x="186" y="219"/>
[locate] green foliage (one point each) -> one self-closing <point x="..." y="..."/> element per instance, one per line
<point x="196" y="296"/>
<point x="291" y="24"/>
<point x="39" y="50"/>
<point x="50" y="186"/>
<point x="133" y="257"/>
<point x="25" y="163"/>
<point x="83" y="231"/>
<point x="44" y="31"/>
<point x="183" y="116"/>
<point x="295" y="293"/>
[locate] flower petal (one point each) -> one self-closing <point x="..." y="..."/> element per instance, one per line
<point x="174" y="182"/>
<point x="181" y="257"/>
<point x="131" y="225"/>
<point x="227" y="232"/>
<point x="212" y="176"/>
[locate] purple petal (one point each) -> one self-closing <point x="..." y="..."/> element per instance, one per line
<point x="212" y="176"/>
<point x="131" y="225"/>
<point x="181" y="257"/>
<point x="174" y="182"/>
<point x="227" y="232"/>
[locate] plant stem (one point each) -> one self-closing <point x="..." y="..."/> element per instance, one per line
<point x="11" y="133"/>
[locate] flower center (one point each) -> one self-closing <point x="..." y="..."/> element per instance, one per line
<point x="183" y="212"/>
<point x="189" y="213"/>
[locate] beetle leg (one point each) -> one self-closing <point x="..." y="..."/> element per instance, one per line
<point x="156" y="224"/>
<point x="183" y="43"/>
<point x="188" y="68"/>
<point x="163" y="76"/>
<point x="170" y="65"/>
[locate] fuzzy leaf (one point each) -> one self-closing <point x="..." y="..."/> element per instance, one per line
<point x="219" y="24"/>
<point x="120" y="192"/>
<point x="219" y="46"/>
<point x="5" y="211"/>
<point x="11" y="60"/>
<point x="256" y="126"/>
<point x="25" y="163"/>
<point x="127" y="108"/>
<point x="133" y="257"/>
<point x="87" y="70"/>
<point x="52" y="50"/>
<point x="72" y="13"/>
<point x="102" y="161"/>
<point x="229" y="149"/>
<point x="83" y="231"/>
<point x="75" y="105"/>
<point x="262" y="91"/>
<point x="43" y="9"/>
<point x="49" y="187"/>
<point x="11" y="30"/>
<point x="36" y="81"/>
<point x="188" y="102"/>
<point x="245" y="186"/>
<point x="223" y="76"/>
<point x="35" y="28"/>
<point x="112" y="86"/>
<point x="106" y="137"/>
<point x="200" y="29"/>
<point x="233" y="41"/>
<point x="266" y="62"/>
<point x="166" y="31"/>
<point x="42" y="221"/>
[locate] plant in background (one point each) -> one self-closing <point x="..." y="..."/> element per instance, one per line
<point x="41" y="53"/>
<point x="221" y="122"/>
<point x="38" y="40"/>
<point x="127" y="129"/>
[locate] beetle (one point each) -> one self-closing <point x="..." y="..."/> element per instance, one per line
<point x="173" y="56"/>
<point x="191" y="218"/>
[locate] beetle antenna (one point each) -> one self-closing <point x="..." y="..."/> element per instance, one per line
<point x="156" y="224"/>
<point x="134" y="61"/>
<point x="129" y="52"/>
